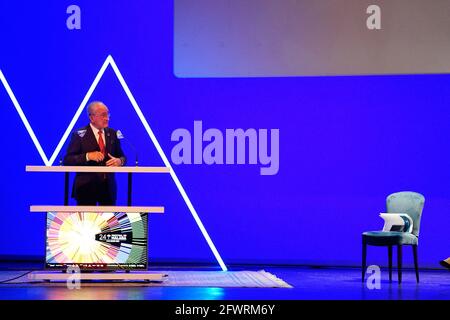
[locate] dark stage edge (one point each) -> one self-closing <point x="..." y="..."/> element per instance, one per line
<point x="309" y="283"/>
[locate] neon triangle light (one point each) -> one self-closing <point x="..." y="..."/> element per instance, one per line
<point x="48" y="162"/>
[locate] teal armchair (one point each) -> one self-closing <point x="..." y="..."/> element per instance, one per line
<point x="407" y="202"/>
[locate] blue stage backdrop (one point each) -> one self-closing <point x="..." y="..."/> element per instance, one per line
<point x="345" y="142"/>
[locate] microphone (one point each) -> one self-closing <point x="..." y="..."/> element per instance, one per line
<point x="120" y="136"/>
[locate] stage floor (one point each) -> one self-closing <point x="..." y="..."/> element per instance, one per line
<point x="308" y="284"/>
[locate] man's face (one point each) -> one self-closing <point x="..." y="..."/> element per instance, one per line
<point x="100" y="116"/>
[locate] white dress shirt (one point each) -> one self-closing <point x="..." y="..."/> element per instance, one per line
<point x="95" y="130"/>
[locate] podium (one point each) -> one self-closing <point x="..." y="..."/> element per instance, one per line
<point x="127" y="275"/>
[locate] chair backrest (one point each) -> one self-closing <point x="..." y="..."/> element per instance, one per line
<point x="407" y="202"/>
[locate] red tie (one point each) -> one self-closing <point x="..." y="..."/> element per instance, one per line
<point x="101" y="143"/>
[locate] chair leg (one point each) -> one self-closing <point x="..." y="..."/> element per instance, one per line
<point x="390" y="263"/>
<point x="399" y="263"/>
<point x="364" y="252"/>
<point x="416" y="264"/>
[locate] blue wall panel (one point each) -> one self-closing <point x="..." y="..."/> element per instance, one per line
<point x="345" y="142"/>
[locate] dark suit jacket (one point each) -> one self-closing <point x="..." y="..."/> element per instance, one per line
<point x="83" y="141"/>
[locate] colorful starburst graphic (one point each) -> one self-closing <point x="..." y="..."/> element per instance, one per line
<point x="97" y="240"/>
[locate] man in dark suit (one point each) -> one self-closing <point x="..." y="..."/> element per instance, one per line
<point x="95" y="145"/>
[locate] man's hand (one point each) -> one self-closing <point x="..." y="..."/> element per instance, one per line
<point x="96" y="156"/>
<point x="113" y="162"/>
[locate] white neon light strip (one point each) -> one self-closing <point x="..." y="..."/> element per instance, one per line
<point x="167" y="163"/>
<point x="48" y="162"/>
<point x="79" y="111"/>
<point x="24" y="119"/>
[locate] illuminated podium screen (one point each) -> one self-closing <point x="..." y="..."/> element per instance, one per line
<point x="97" y="241"/>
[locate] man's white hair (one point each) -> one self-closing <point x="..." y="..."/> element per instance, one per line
<point x="90" y="107"/>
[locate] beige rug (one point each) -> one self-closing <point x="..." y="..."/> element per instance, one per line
<point x="237" y="279"/>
